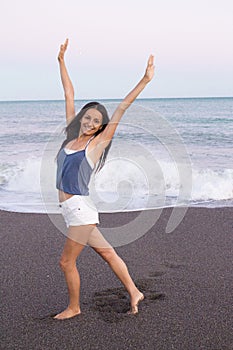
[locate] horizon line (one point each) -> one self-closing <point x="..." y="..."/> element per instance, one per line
<point x="117" y="99"/>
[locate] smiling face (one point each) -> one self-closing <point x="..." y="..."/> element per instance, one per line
<point x="90" y="122"/>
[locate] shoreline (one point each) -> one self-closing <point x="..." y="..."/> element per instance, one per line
<point x="198" y="206"/>
<point x="186" y="277"/>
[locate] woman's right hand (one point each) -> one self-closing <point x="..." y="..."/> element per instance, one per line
<point x="62" y="51"/>
<point x="67" y="84"/>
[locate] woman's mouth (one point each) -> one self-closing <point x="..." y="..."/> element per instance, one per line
<point x="88" y="129"/>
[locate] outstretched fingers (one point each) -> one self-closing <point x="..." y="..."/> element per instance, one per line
<point x="150" y="68"/>
<point x="64" y="46"/>
<point x="62" y="51"/>
<point x="150" y="62"/>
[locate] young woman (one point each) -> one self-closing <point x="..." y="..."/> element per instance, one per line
<point x="88" y="139"/>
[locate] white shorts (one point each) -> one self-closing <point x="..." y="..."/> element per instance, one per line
<point x="79" y="210"/>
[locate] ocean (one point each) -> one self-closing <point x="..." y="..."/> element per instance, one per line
<point x="166" y="152"/>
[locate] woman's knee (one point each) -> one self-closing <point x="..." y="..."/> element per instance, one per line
<point x="108" y="254"/>
<point x="66" y="264"/>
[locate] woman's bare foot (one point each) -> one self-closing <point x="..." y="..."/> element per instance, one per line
<point x="68" y="313"/>
<point x="135" y="300"/>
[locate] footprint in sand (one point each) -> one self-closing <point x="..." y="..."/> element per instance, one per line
<point x="113" y="304"/>
<point x="164" y="268"/>
<point x="173" y="265"/>
<point x="155" y="274"/>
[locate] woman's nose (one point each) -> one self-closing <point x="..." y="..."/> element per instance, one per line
<point x="91" y="123"/>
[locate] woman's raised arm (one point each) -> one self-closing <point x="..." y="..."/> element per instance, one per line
<point x="67" y="84"/>
<point x="106" y="136"/>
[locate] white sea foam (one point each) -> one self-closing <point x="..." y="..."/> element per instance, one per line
<point x="121" y="185"/>
<point x="23" y="176"/>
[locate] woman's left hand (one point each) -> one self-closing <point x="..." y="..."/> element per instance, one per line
<point x="62" y="51"/>
<point x="149" y="69"/>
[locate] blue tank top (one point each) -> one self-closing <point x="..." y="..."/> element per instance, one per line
<point x="73" y="172"/>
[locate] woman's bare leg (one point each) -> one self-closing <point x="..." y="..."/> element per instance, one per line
<point x="103" y="248"/>
<point x="71" y="251"/>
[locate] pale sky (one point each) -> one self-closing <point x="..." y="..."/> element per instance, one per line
<point x="192" y="41"/>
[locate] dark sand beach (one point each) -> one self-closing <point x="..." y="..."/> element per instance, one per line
<point x="186" y="277"/>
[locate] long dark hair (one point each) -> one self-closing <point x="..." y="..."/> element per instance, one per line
<point x="73" y="128"/>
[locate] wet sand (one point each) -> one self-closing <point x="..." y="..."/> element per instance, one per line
<point x="186" y="277"/>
